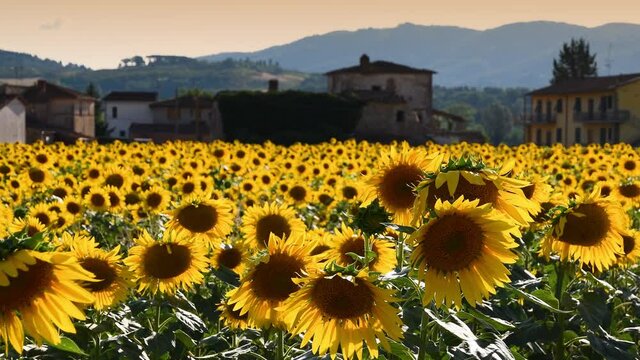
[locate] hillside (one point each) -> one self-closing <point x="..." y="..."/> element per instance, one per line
<point x="518" y="54"/>
<point x="164" y="77"/>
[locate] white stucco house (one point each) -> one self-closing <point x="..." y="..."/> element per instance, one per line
<point x="13" y="120"/>
<point x="123" y="108"/>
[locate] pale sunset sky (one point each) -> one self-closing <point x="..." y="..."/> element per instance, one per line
<point x="98" y="33"/>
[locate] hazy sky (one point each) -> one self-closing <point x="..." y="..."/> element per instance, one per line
<point x="98" y="33"/>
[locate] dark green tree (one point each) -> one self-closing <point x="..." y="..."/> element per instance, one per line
<point x="102" y="128"/>
<point x="575" y="61"/>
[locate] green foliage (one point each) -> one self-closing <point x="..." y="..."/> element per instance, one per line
<point x="574" y="61"/>
<point x="493" y="111"/>
<point x="285" y="117"/>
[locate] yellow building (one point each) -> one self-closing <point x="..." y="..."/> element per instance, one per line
<point x="603" y="109"/>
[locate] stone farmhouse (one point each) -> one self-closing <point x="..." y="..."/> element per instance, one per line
<point x="398" y="103"/>
<point x="53" y="112"/>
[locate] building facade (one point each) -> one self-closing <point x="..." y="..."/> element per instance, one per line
<point x="601" y="110"/>
<point x="13" y="120"/>
<point x="53" y="108"/>
<point x="123" y="108"/>
<point x="398" y="98"/>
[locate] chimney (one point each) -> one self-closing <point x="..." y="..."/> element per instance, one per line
<point x="364" y="60"/>
<point x="273" y="86"/>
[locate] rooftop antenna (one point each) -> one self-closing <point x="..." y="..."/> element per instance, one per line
<point x="609" y="61"/>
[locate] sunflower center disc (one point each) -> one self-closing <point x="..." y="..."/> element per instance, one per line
<point x="102" y="271"/>
<point x="115" y="180"/>
<point x="349" y="192"/>
<point x="154" y="200"/>
<point x="529" y="190"/>
<point x="341" y="299"/>
<point x="629" y="191"/>
<point x="487" y="193"/>
<point x="198" y="219"/>
<point x="452" y="243"/>
<point x="36" y="175"/>
<point x="236" y="313"/>
<point x="630" y="165"/>
<point x="24" y="288"/>
<point x="319" y="250"/>
<point x="586" y="230"/>
<point x="629" y="243"/>
<point x="162" y="263"/>
<point x="230" y="258"/>
<point x="272" y="223"/>
<point x="298" y="193"/>
<point x="272" y="280"/>
<point x="98" y="200"/>
<point x="396" y="187"/>
<point x="43" y="218"/>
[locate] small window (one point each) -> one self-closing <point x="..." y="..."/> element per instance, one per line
<point x="610" y="135"/>
<point x="114" y="112"/>
<point x="610" y="102"/>
<point x="603" y="135"/>
<point x="400" y="116"/>
<point x="559" y="106"/>
<point x="548" y="137"/>
<point x="559" y="135"/>
<point x="577" y="107"/>
<point x="539" y="137"/>
<point x="376" y="88"/>
<point x="578" y="135"/>
<point x="122" y="133"/>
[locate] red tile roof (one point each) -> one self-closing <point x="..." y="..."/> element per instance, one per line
<point x="131" y="96"/>
<point x="587" y="85"/>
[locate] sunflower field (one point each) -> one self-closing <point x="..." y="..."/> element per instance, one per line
<point x="340" y="250"/>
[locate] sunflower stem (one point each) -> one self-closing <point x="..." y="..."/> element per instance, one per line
<point x="400" y="253"/>
<point x="560" y="271"/>
<point x="280" y="344"/>
<point x="367" y="246"/>
<point x="422" y="354"/>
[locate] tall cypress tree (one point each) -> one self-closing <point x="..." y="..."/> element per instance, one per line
<point x="574" y="62"/>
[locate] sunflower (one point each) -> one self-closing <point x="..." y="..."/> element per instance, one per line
<point x="463" y="248"/>
<point x="111" y="282"/>
<point x="270" y="281"/>
<point x="72" y="206"/>
<point x="39" y="294"/>
<point x="342" y="312"/>
<point x="486" y="185"/>
<point x="232" y="318"/>
<point x="630" y="247"/>
<point x="628" y="193"/>
<point x="156" y="199"/>
<point x="29" y="225"/>
<point x="393" y="183"/>
<point x="6" y="218"/>
<point x="299" y="193"/>
<point x="116" y="177"/>
<point x="168" y="265"/>
<point x="203" y="218"/>
<point x="347" y="241"/>
<point x="538" y="192"/>
<point x="588" y="231"/>
<point x="259" y="222"/>
<point x="233" y="257"/>
<point x="97" y="199"/>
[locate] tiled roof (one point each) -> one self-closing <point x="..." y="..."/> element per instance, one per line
<point x="44" y="91"/>
<point x="185" y="102"/>
<point x="593" y="84"/>
<point x="380" y="67"/>
<point x="132" y="96"/>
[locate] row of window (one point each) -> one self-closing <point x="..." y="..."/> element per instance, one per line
<point x="609" y="134"/>
<point x="606" y="103"/>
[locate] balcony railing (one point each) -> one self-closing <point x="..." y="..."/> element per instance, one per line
<point x="540" y="118"/>
<point x="603" y="116"/>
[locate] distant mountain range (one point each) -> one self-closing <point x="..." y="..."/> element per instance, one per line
<point x="514" y="55"/>
<point x="518" y="54"/>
